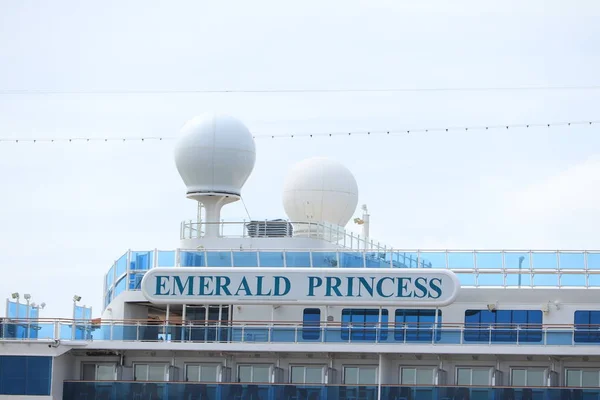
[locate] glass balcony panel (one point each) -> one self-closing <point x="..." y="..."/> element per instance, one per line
<point x="516" y="260"/>
<point x="490" y="279"/>
<point x="461" y="260"/>
<point x="572" y="280"/>
<point x="110" y="277"/>
<point x="192" y="259"/>
<point x="166" y="258"/>
<point x="544" y="260"/>
<point x="141" y="260"/>
<point x="120" y="286"/>
<point x="135" y="280"/>
<point x="243" y="259"/>
<point x="545" y="280"/>
<point x="593" y="260"/>
<point x="432" y="259"/>
<point x="324" y="259"/>
<point x="518" y="280"/>
<point x="489" y="260"/>
<point x="466" y="279"/>
<point x="121" y="265"/>
<point x="594" y="280"/>
<point x="298" y="259"/>
<point x="219" y="258"/>
<point x="271" y="259"/>
<point x="376" y="260"/>
<point x="351" y="259"/>
<point x="571" y="260"/>
<point x="401" y="259"/>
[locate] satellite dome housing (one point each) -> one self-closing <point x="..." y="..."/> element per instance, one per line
<point x="215" y="155"/>
<point x="319" y="190"/>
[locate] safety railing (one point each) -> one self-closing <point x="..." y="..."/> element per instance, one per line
<point x="116" y="390"/>
<point x="297" y="333"/>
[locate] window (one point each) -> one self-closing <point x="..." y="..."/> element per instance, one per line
<point x="254" y="373"/>
<point x="365" y="375"/>
<point x="150" y="372"/>
<point x="527" y="377"/>
<point x="503" y="326"/>
<point x="25" y="375"/>
<point x="311" y="324"/>
<point x="99" y="372"/>
<point x="417" y="376"/>
<point x="416" y="325"/>
<point x="201" y="372"/>
<point x="473" y="376"/>
<point x="587" y="326"/>
<point x="583" y="378"/>
<point x="306" y="374"/>
<point x="362" y="324"/>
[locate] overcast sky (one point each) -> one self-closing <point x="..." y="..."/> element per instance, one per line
<point x="67" y="211"/>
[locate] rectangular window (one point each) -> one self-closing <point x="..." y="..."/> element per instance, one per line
<point x="201" y="372"/>
<point x="99" y="372"/>
<point x="526" y="377"/>
<point x="363" y="375"/>
<point x="25" y="375"/>
<point x="583" y="378"/>
<point x="258" y="373"/>
<point x="417" y="376"/>
<point x="473" y="376"/>
<point x="364" y="324"/>
<point x="309" y="374"/>
<point x="416" y="325"/>
<point x="508" y="326"/>
<point x="311" y="321"/>
<point x="150" y="372"/>
<point x="587" y="326"/>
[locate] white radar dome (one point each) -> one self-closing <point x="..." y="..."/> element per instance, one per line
<point x="214" y="155"/>
<point x="320" y="190"/>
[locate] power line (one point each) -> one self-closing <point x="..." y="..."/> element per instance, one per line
<point x="35" y="92"/>
<point x="394" y="132"/>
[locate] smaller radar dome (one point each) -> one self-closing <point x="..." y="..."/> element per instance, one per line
<point x="320" y="190"/>
<point x="214" y="155"/>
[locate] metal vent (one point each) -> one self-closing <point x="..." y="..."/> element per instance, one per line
<point x="273" y="228"/>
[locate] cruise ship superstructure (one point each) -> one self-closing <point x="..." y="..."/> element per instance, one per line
<point x="301" y="308"/>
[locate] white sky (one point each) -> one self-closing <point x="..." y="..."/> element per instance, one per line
<point x="67" y="211"/>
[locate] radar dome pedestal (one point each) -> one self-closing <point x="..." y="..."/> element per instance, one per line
<point x="214" y="155"/>
<point x="319" y="190"/>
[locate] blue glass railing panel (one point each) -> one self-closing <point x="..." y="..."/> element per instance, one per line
<point x="434" y="259"/>
<point x="192" y="259"/>
<point x="141" y="260"/>
<point x="518" y="280"/>
<point x="544" y="260"/>
<point x="545" y="279"/>
<point x="244" y="259"/>
<point x="516" y="260"/>
<point x="135" y="280"/>
<point x="559" y="337"/>
<point x="288" y="334"/>
<point x="300" y="259"/>
<point x="219" y="258"/>
<point x="325" y="259"/>
<point x="120" y="286"/>
<point x="571" y="260"/>
<point x="593" y="260"/>
<point x="166" y="258"/>
<point x="490" y="280"/>
<point x="489" y="260"/>
<point x="572" y="280"/>
<point x="594" y="280"/>
<point x="449" y="336"/>
<point x="376" y="260"/>
<point x="461" y="260"/>
<point x="121" y="265"/>
<point x="110" y="277"/>
<point x="408" y="260"/>
<point x="466" y="279"/>
<point x="351" y="260"/>
<point x="125" y="332"/>
<point x="271" y="259"/>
